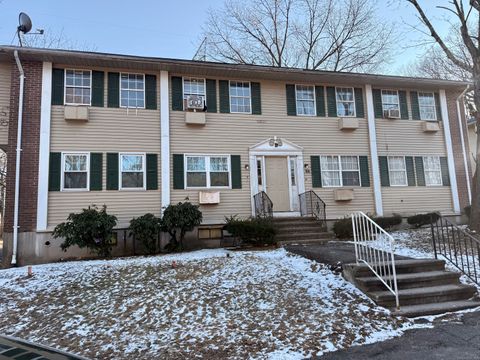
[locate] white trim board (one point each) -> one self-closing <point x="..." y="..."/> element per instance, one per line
<point x="44" y="148"/>
<point x="165" y="138"/>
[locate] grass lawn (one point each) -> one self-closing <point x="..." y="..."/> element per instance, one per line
<point x="262" y="304"/>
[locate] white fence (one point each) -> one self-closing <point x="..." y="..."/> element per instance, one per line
<point x="374" y="247"/>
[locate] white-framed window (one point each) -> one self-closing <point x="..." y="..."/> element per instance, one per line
<point x="305" y="99"/>
<point x="75" y="171"/>
<point x="132" y="90"/>
<point x="345" y="102"/>
<point x="207" y="171"/>
<point x="432" y="170"/>
<point x="132" y="171"/>
<point x="397" y="171"/>
<point x="338" y="171"/>
<point x="426" y="104"/>
<point x="240" y="97"/>
<point x="78" y="87"/>
<point x="193" y="86"/>
<point x="390" y="100"/>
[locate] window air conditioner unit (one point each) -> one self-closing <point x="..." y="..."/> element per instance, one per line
<point x="392" y="113"/>
<point x="195" y="102"/>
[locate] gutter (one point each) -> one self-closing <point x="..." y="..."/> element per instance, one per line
<point x="17" y="159"/>
<point x="464" y="151"/>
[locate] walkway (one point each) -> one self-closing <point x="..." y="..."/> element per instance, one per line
<point x="13" y="348"/>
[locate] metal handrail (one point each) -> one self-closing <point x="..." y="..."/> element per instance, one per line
<point x="457" y="246"/>
<point x="375" y="248"/>
<point x="312" y="205"/>
<point x="263" y="205"/>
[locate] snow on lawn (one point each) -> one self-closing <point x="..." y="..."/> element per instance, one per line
<point x="265" y="304"/>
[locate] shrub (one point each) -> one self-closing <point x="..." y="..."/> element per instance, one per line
<point x="387" y="222"/>
<point x="343" y="228"/>
<point x="91" y="228"/>
<point x="256" y="231"/>
<point x="419" y="220"/>
<point x="146" y="229"/>
<point x="182" y="217"/>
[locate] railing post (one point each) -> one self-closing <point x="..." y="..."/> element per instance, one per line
<point x="433" y="237"/>
<point x="355" y="237"/>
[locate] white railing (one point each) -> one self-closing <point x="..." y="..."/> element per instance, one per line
<point x="374" y="247"/>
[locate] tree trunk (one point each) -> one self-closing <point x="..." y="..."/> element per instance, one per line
<point x="475" y="211"/>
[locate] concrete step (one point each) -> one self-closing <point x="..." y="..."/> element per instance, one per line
<point x="410" y="280"/>
<point x="303" y="242"/>
<point x="435" y="308"/>
<point x="401" y="266"/>
<point x="293" y="219"/>
<point x="295" y="226"/>
<point x="303" y="236"/>
<point x="426" y="295"/>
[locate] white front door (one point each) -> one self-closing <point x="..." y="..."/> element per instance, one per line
<point x="277" y="182"/>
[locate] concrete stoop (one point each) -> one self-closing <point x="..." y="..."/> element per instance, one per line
<point x="424" y="286"/>
<point x="300" y="230"/>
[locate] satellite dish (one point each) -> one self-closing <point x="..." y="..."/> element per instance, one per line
<point x="24" y="23"/>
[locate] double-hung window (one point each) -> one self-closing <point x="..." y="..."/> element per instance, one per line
<point x="426" y="103"/>
<point x="207" y="171"/>
<point x="78" y="87"/>
<point x="432" y="170"/>
<point x="132" y="90"/>
<point x="397" y="171"/>
<point x="75" y="171"/>
<point x="340" y="171"/>
<point x="240" y="97"/>
<point x="305" y="98"/>
<point x="132" y="171"/>
<point x="390" y="101"/>
<point x="345" y="102"/>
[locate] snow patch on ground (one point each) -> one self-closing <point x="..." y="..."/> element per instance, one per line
<point x="261" y="304"/>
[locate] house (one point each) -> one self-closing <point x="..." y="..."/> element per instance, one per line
<point x="139" y="133"/>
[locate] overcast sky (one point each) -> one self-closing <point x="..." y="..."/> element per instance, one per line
<point x="167" y="28"/>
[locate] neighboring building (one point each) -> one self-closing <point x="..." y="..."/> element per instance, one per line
<point x="116" y="130"/>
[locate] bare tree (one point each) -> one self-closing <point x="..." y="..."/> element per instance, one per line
<point x="50" y="39"/>
<point x="464" y="54"/>
<point x="339" y="35"/>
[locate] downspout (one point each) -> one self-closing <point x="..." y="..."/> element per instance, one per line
<point x="17" y="159"/>
<point x="465" y="158"/>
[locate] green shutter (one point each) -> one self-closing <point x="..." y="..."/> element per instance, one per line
<point x="331" y="102"/>
<point x="150" y="92"/>
<point x="410" y="170"/>
<point x="377" y="103"/>
<point x="177" y="93"/>
<point x="445" y="174"/>
<point x="178" y="171"/>
<point x="360" y="111"/>
<point x="54" y="172"/>
<point x="98" y="82"/>
<point x="291" y="100"/>
<point x="402" y="98"/>
<point x="57" y="86"/>
<point x="96" y="171"/>
<point x="112" y="171"/>
<point x="256" y="98"/>
<point x="364" y="173"/>
<point x="236" y="171"/>
<point x="438" y="106"/>
<point x="113" y="90"/>
<point x="384" y="175"/>
<point x="316" y="171"/>
<point x="320" y="100"/>
<point x="223" y="87"/>
<point x="152" y="171"/>
<point x="419" y="170"/>
<point x="414" y="105"/>
<point x="211" y="95"/>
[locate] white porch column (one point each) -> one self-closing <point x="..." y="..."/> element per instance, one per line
<point x="372" y="134"/>
<point x="448" y="143"/>
<point x="44" y="148"/>
<point x="165" y="138"/>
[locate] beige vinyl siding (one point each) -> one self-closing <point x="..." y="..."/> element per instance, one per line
<point x="234" y="133"/>
<point x="108" y="130"/>
<point x="5" y="82"/>
<point x="406" y="138"/>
